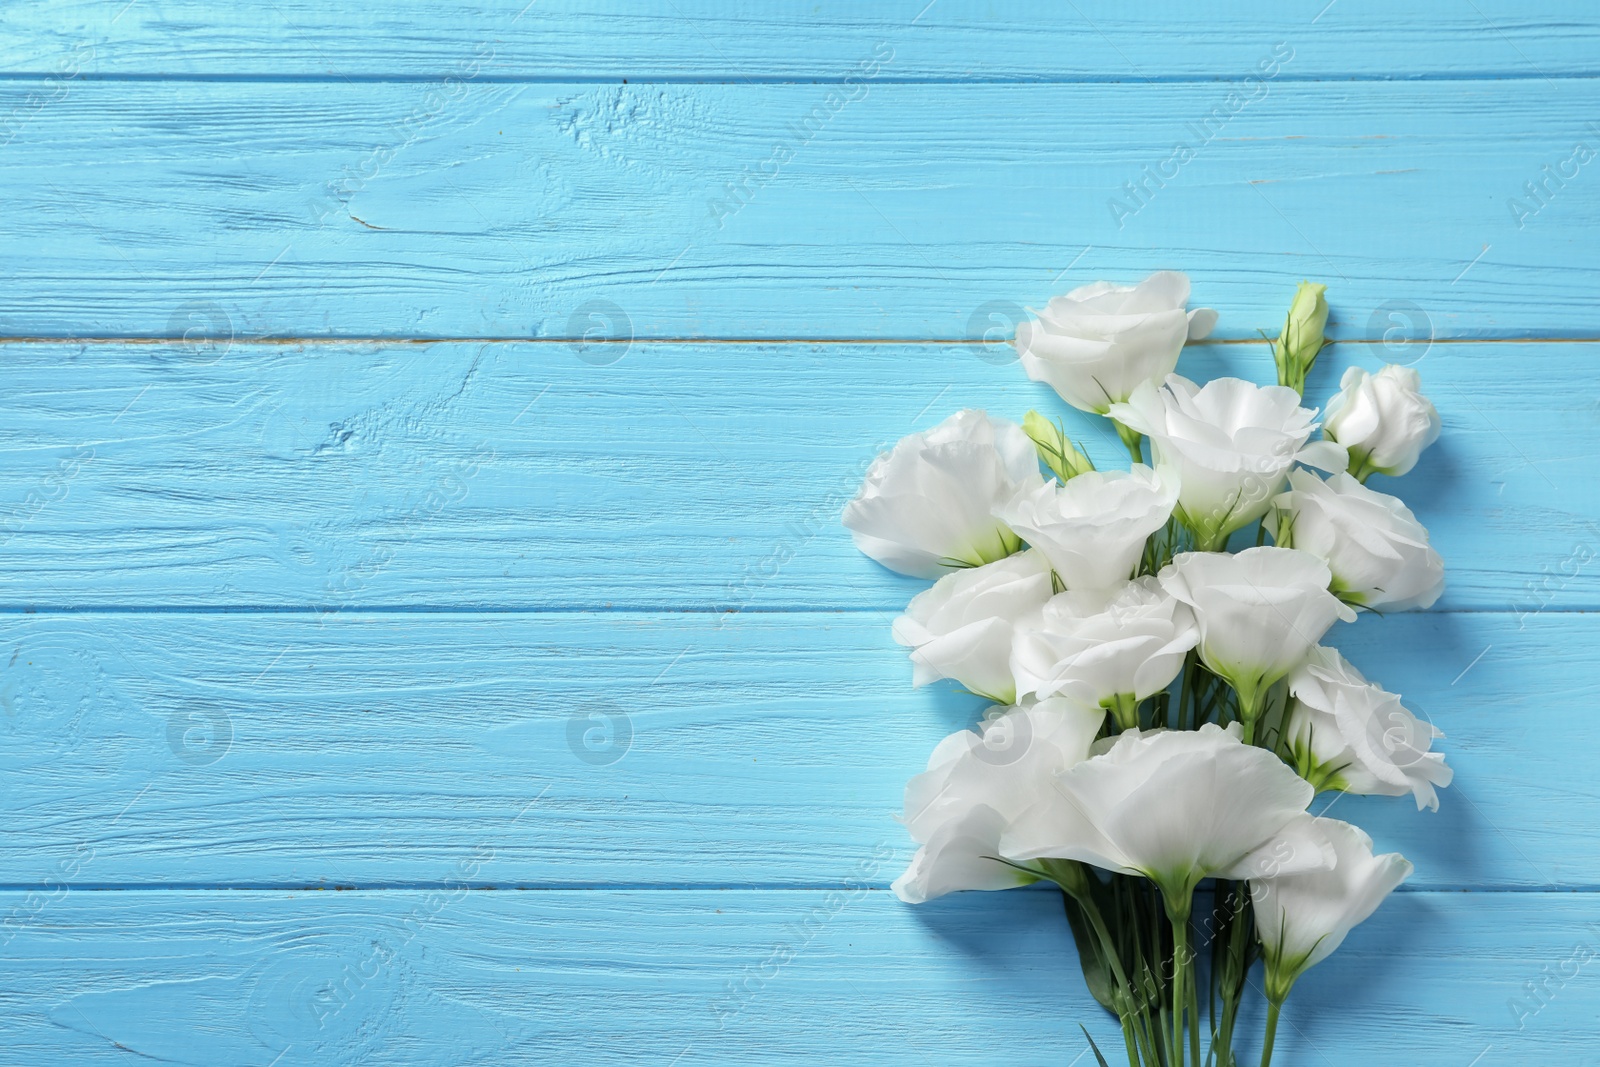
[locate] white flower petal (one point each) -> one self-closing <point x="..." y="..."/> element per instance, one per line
<point x="961" y="854"/>
<point x="1093" y="528"/>
<point x="1201" y="322"/>
<point x="1259" y="611"/>
<point x="977" y="783"/>
<point x="1382" y="419"/>
<point x="1100" y="341"/>
<point x="1231" y="444"/>
<point x="929" y="502"/>
<point x="962" y="628"/>
<point x="1302" y="917"/>
<point x="1096" y="648"/>
<point x="1340" y="720"/>
<point x="1376" y="549"/>
<point x="1177" y="806"/>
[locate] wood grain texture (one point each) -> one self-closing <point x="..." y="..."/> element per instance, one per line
<point x="701" y="477"/>
<point x="288" y="750"/>
<point x="950" y="40"/>
<point x="576" y="622"/>
<point x="609" y="977"/>
<point x="895" y="211"/>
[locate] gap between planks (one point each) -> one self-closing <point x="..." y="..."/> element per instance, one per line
<point x="872" y="341"/>
<point x="551" y="609"/>
<point x="733" y="77"/>
<point x="647" y="887"/>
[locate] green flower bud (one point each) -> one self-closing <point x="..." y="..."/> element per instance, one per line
<point x="1295" y="350"/>
<point x="1055" y="448"/>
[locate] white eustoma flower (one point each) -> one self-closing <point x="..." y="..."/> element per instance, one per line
<point x="1345" y="733"/>
<point x="1382" y="419"/>
<point x="962" y="627"/>
<point x="1377" y="550"/>
<point x="927" y="505"/>
<point x="975" y="784"/>
<point x="1302" y="916"/>
<point x="1093" y="527"/>
<point x="1175" y="806"/>
<point x="1094" y="345"/>
<point x="1111" y="649"/>
<point x="1259" y="612"/>
<point x="1230" y="444"/>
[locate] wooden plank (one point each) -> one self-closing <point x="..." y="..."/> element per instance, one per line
<point x="621" y="749"/>
<point x="495" y="209"/>
<point x="960" y="40"/>
<point x="695" y="476"/>
<point x="448" y="977"/>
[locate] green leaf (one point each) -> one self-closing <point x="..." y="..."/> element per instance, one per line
<point x="1098" y="1058"/>
<point x="1091" y="956"/>
<point x="1055" y="447"/>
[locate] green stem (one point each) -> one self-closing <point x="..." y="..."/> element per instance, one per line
<point x="1132" y="440"/>
<point x="1181" y="973"/>
<point x="1234" y="966"/>
<point x="1129" y="1041"/>
<point x="1078" y="891"/>
<point x="1272" y="1032"/>
<point x="1249" y="710"/>
<point x="1194" y="1016"/>
<point x="1124" y="708"/>
<point x="1189" y="692"/>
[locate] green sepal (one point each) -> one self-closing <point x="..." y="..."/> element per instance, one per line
<point x="1295" y="351"/>
<point x="1322" y="776"/>
<point x="1056" y="449"/>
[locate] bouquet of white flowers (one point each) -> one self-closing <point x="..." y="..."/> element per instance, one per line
<point x="1163" y="710"/>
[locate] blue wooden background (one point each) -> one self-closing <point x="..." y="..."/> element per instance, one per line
<point x="428" y="636"/>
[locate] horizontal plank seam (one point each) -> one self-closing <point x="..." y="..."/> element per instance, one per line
<point x="621" y="887"/>
<point x="873" y="341"/>
<point x="560" y="609"/>
<point x="737" y="78"/>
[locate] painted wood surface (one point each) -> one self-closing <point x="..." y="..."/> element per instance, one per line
<point x="730" y="210"/>
<point x="657" y="750"/>
<point x="428" y="637"/>
<point x="947" y="40"/>
<point x="847" y="976"/>
<point x="673" y="477"/>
